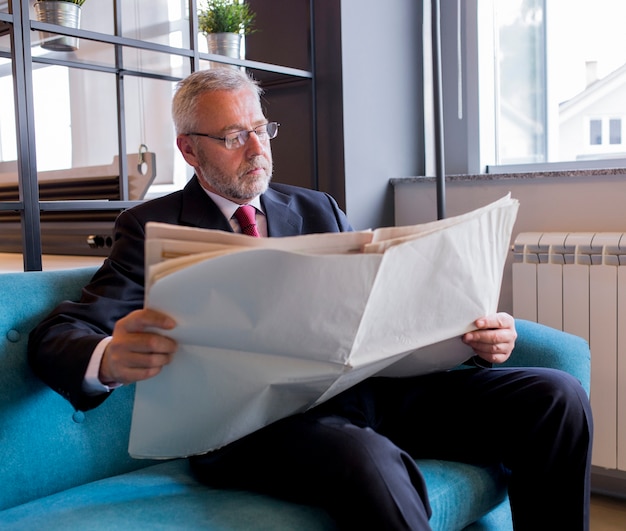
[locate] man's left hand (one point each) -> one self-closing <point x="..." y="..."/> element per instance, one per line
<point x="494" y="337"/>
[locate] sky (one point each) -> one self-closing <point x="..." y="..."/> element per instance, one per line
<point x="588" y="30"/>
<point x="580" y="31"/>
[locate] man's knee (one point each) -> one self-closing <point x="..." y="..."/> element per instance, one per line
<point x="562" y="391"/>
<point x="379" y="480"/>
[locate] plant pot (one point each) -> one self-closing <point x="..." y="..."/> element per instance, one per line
<point x="64" y="14"/>
<point x="228" y="44"/>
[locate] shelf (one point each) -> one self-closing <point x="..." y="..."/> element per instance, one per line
<point x="37" y="215"/>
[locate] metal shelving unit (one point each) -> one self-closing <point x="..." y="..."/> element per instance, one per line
<point x="20" y="26"/>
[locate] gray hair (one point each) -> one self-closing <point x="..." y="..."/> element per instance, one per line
<point x="193" y="86"/>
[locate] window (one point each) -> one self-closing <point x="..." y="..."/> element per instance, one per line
<point x="604" y="136"/>
<point x="615" y="131"/>
<point x="69" y="98"/>
<point x="8" y="142"/>
<point x="53" y="127"/>
<point x="559" y="75"/>
<point x="595" y="132"/>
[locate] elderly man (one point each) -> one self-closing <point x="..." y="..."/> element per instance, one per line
<point x="353" y="455"/>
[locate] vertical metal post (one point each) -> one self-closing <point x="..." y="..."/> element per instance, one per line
<point x="438" y="110"/>
<point x="25" y="130"/>
<point x="121" y="108"/>
<point x="313" y="59"/>
<point x="193" y="35"/>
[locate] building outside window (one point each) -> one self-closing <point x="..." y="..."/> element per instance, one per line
<point x="559" y="70"/>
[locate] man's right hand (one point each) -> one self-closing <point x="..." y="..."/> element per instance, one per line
<point x="136" y="351"/>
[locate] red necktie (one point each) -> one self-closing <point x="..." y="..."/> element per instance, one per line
<point x="246" y="216"/>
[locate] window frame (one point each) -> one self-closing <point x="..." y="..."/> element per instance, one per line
<point x="474" y="77"/>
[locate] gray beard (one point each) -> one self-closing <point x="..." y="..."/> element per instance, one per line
<point x="238" y="190"/>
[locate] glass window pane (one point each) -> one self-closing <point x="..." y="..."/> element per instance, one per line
<point x="8" y="145"/>
<point x="75" y="122"/>
<point x="560" y="65"/>
<point x="77" y="149"/>
<point x="151" y="62"/>
<point x="10" y="227"/>
<point x="521" y="109"/>
<point x="98" y="16"/>
<point x="595" y="132"/>
<point x="166" y="22"/>
<point x="53" y="126"/>
<point x="615" y="131"/>
<point x="10" y="241"/>
<point x="153" y="132"/>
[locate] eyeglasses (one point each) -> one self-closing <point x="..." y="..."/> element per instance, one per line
<point x="238" y="139"/>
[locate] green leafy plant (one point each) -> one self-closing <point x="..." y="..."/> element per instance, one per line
<point x="77" y="2"/>
<point x="225" y="16"/>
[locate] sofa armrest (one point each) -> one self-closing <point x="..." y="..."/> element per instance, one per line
<point x="539" y="345"/>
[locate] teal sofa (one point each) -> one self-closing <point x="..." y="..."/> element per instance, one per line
<point x="70" y="470"/>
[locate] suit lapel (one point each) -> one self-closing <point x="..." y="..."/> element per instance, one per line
<point x="282" y="220"/>
<point x="198" y="210"/>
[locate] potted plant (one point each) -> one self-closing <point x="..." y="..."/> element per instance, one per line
<point x="64" y="13"/>
<point x="225" y="23"/>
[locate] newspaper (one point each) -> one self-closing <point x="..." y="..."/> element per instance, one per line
<point x="269" y="327"/>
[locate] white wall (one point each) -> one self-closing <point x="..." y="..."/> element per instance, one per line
<point x="382" y="101"/>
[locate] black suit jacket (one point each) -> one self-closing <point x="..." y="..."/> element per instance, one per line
<point x="61" y="345"/>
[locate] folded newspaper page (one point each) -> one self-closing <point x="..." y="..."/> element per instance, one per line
<point x="269" y="327"/>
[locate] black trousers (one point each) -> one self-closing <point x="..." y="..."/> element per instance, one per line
<point x="354" y="454"/>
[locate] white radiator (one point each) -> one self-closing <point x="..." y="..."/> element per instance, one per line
<point x="576" y="282"/>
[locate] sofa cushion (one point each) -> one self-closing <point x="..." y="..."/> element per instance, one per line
<point x="47" y="446"/>
<point x="165" y="496"/>
<point x="461" y="493"/>
<point x="542" y="346"/>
